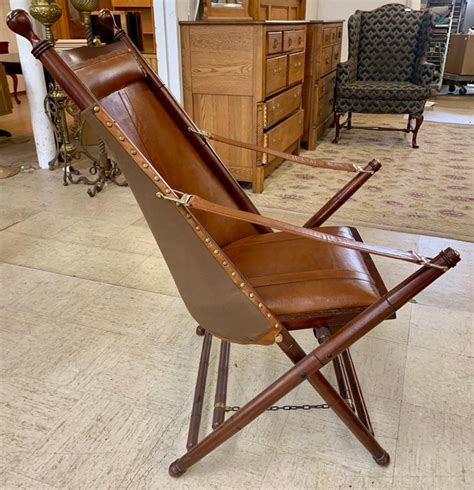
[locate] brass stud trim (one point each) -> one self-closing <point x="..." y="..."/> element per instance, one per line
<point x="207" y="240"/>
<point x="167" y="191"/>
<point x="96" y="108"/>
<point x="121" y="138"/>
<point x="133" y="151"/>
<point x="145" y="165"/>
<point x="216" y="252"/>
<point x="242" y="284"/>
<point x="188" y="216"/>
<point x="269" y="315"/>
<point x="260" y="305"/>
<point x="109" y="124"/>
<point x="198" y="228"/>
<point x="279" y="338"/>
<point x="156" y="178"/>
<point x="276" y="325"/>
<point x="159" y="195"/>
<point x="224" y="263"/>
<point x="233" y="274"/>
<point x="251" y="295"/>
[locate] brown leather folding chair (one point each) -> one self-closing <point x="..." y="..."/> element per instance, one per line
<point x="241" y="281"/>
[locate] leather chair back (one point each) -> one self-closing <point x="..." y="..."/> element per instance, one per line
<point x="214" y="291"/>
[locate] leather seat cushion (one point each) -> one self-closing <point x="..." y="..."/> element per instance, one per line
<point x="383" y="90"/>
<point x="297" y="276"/>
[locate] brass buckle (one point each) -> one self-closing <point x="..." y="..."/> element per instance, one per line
<point x="184" y="199"/>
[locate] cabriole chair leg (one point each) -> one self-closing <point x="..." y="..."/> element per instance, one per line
<point x="418" y="122"/>
<point x="337" y="124"/>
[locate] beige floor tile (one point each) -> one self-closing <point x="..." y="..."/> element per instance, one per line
<point x="443" y="330"/>
<point x="431" y="482"/>
<point x="383" y="412"/>
<point x="53" y="351"/>
<point x="123" y="310"/>
<point x="16" y="282"/>
<point x="439" y="380"/>
<point x="29" y="411"/>
<point x="433" y="444"/>
<point x="54" y="296"/>
<point x="454" y="290"/>
<point x="145" y="375"/>
<point x="10" y="480"/>
<point x="95" y="445"/>
<point x="41" y="253"/>
<point x="105" y="265"/>
<point x="9" y="216"/>
<point x="43" y="224"/>
<point x="396" y="329"/>
<point x="326" y="438"/>
<point x="233" y="465"/>
<point x="380" y="365"/>
<point x="301" y="471"/>
<point x="108" y="236"/>
<point x="151" y="275"/>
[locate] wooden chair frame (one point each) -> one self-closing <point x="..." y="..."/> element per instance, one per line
<point x="334" y="343"/>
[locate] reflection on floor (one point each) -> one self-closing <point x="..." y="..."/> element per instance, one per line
<point x="99" y="357"/>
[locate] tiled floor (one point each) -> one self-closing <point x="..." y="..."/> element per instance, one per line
<point x="98" y="363"/>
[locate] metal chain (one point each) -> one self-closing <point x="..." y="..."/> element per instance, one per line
<point x="275" y="408"/>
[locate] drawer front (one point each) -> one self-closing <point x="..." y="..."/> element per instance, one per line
<point x="275" y="74"/>
<point x="327" y="84"/>
<point x="274" y="42"/>
<point x="285" y="134"/>
<point x="295" y="68"/>
<point x="325" y="109"/>
<point x="326" y="60"/>
<point x="293" y="40"/>
<point x="329" y="35"/>
<point x="279" y="107"/>
<point x="339" y="34"/>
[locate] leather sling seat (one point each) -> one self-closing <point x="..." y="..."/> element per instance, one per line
<point x="299" y="278"/>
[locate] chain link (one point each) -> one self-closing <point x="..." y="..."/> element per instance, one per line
<point x="275" y="408"/>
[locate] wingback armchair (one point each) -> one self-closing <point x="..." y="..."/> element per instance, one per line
<point x="386" y="72"/>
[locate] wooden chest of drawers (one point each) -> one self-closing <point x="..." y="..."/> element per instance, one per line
<point x="244" y="81"/>
<point x="323" y="53"/>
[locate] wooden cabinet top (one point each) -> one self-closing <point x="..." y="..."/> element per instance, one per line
<point x="256" y="22"/>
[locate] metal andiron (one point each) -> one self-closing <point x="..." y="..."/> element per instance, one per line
<point x="70" y="140"/>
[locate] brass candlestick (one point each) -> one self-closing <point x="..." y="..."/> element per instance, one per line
<point x="85" y="7"/>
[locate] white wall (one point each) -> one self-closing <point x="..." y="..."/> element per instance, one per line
<point x="343" y="9"/>
<point x="7" y="35"/>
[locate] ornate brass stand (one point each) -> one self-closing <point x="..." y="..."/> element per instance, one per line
<point x="69" y="140"/>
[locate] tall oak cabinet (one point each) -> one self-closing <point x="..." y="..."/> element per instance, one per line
<point x="244" y="80"/>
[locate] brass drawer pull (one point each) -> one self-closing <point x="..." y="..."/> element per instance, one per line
<point x="275" y="43"/>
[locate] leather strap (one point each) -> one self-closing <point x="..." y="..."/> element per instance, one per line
<point x="310" y="162"/>
<point x="196" y="202"/>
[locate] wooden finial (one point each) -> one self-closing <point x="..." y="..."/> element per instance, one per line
<point x="19" y="22"/>
<point x="106" y="18"/>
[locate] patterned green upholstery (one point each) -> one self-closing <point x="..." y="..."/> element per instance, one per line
<point x="386" y="71"/>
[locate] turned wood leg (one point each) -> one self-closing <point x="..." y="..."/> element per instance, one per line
<point x="337" y="124"/>
<point x="199" y="391"/>
<point x="15" y="88"/>
<point x="221" y="387"/>
<point x="418" y="122"/>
